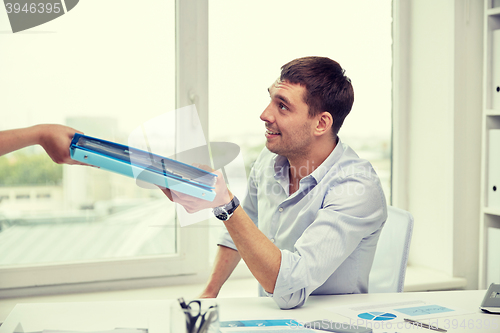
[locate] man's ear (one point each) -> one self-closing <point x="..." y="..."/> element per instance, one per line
<point x="324" y="123"/>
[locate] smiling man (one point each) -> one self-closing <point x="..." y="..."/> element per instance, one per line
<point x="310" y="222"/>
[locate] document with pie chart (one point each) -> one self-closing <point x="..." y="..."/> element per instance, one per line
<point x="397" y="311"/>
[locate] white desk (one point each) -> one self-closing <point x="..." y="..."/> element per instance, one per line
<point x="94" y="316"/>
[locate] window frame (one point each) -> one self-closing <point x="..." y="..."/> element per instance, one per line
<point x="191" y="258"/>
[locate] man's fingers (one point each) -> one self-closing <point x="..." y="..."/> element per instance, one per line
<point x="183" y="198"/>
<point x="167" y="193"/>
<point x="203" y="166"/>
<point x="176" y="196"/>
<point x="190" y="204"/>
<point x="180" y="196"/>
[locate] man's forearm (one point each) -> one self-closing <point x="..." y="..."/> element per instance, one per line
<point x="225" y="262"/>
<point x="262" y="257"/>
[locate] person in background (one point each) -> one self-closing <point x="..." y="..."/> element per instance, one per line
<point x="55" y="139"/>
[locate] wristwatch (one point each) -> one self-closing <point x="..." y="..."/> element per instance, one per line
<point x="224" y="212"/>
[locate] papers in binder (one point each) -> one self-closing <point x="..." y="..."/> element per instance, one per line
<point x="144" y="166"/>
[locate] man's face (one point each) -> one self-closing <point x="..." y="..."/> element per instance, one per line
<point x="289" y="128"/>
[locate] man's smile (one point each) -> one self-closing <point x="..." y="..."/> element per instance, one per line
<point x="271" y="134"/>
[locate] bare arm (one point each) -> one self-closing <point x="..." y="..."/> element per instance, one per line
<point x="262" y="257"/>
<point x="55" y="139"/>
<point x="15" y="139"/>
<point x="225" y="262"/>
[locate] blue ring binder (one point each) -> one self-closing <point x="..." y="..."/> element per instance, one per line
<point x="143" y="165"/>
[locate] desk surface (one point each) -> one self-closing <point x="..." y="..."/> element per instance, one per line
<point x="154" y="315"/>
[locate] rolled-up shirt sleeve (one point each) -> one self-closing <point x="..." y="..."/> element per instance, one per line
<point x="353" y="210"/>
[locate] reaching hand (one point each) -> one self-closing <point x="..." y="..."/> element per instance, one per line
<point x="56" y="139"/>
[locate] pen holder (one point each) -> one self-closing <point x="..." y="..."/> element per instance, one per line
<point x="198" y="316"/>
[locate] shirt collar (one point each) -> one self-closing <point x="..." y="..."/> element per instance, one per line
<point x="330" y="161"/>
<point x="281" y="164"/>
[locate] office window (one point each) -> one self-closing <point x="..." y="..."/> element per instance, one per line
<point x="249" y="42"/>
<point x="104" y="68"/>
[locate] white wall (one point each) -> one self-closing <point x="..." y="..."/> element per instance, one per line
<point x="467" y="143"/>
<point x="442" y="115"/>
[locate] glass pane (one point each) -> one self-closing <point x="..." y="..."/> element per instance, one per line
<point x="104" y="68"/>
<point x="250" y="41"/>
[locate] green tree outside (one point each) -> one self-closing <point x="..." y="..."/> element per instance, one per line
<point x="19" y="169"/>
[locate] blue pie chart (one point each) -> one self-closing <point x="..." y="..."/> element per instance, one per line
<point x="377" y="316"/>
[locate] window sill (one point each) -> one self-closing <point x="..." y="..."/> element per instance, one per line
<point x="426" y="279"/>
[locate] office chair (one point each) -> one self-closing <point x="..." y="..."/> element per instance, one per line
<point x="391" y="256"/>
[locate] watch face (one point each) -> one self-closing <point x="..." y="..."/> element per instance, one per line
<point x="223" y="216"/>
<point x="221" y="213"/>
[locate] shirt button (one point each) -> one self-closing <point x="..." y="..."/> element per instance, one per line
<point x="281" y="209"/>
<point x="272" y="240"/>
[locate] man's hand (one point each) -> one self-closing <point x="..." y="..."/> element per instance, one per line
<point x="205" y="294"/>
<point x="56" y="139"/>
<point x="192" y="204"/>
<point x="226" y="260"/>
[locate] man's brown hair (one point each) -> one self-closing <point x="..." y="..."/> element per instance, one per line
<point x="327" y="87"/>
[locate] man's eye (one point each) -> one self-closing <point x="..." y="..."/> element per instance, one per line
<point x="283" y="106"/>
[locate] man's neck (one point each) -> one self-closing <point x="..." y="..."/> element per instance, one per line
<point x="301" y="166"/>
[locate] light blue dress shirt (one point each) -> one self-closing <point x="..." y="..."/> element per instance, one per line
<point x="327" y="230"/>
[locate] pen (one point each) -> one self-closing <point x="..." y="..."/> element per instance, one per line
<point x="424" y="325"/>
<point x="189" y="318"/>
<point x="182" y="303"/>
